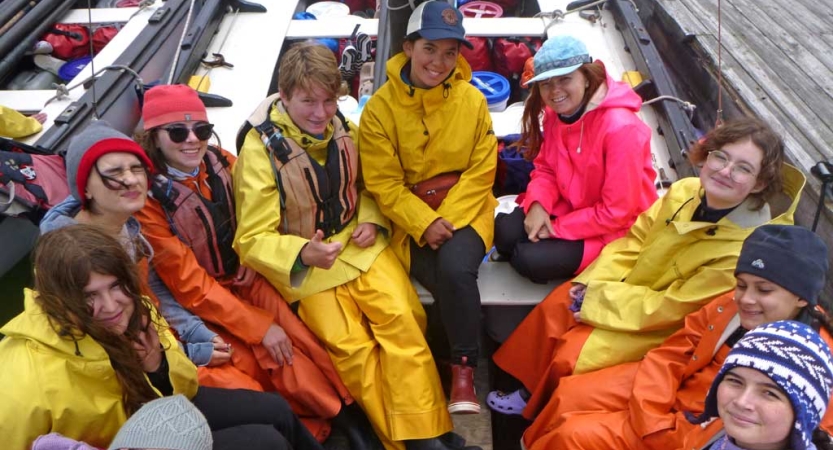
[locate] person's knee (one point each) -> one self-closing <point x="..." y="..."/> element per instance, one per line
<point x="509" y="230"/>
<point x="525" y="262"/>
<point x="575" y="432"/>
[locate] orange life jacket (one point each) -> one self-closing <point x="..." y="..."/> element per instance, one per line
<point x="313" y="197"/>
<point x="206" y="226"/>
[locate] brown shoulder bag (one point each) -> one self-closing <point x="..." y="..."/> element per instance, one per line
<point x="434" y="190"/>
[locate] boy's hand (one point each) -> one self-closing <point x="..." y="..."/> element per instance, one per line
<point x="365" y="235"/>
<point x="318" y="253"/>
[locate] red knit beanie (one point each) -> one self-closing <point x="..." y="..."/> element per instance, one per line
<point x="172" y="103"/>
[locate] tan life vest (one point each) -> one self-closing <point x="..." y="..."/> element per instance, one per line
<point x="313" y="197"/>
<point x="206" y="226"/>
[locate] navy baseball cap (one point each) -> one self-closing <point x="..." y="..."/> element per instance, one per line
<point x="435" y="20"/>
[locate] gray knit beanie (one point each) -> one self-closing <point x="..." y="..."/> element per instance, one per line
<point x="169" y="423"/>
<point x="98" y="139"/>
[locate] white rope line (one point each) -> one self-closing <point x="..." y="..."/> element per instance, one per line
<point x="688" y="106"/>
<point x="409" y="4"/>
<point x="181" y="39"/>
<point x="62" y="90"/>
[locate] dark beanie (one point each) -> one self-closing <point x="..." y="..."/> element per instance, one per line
<point x="790" y="256"/>
<point x="97" y="140"/>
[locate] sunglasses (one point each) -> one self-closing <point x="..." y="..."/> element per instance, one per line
<point x="179" y="133"/>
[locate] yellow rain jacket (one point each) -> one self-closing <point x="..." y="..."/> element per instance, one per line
<point x="408" y="135"/>
<point x="643" y="285"/>
<point x="15" y="125"/>
<point x="258" y="242"/>
<point x="51" y="385"/>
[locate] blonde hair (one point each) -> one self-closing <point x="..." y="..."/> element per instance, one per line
<point x="307" y="65"/>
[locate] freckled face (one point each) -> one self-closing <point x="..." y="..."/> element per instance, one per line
<point x="311" y="110"/>
<point x="431" y="61"/>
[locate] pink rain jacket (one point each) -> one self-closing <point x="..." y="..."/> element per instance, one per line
<point x="595" y="175"/>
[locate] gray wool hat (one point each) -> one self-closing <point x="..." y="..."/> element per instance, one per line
<point x="97" y="140"/>
<point x="169" y="423"/>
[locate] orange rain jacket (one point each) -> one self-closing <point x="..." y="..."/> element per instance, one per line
<point x="643" y="404"/>
<point x="311" y="385"/>
<point x="639" y="290"/>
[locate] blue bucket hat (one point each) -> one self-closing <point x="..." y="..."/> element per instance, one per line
<point x="434" y="20"/>
<point x="559" y="56"/>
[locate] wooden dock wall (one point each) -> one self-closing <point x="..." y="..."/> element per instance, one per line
<point x="777" y="64"/>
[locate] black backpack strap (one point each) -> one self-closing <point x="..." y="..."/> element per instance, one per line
<point x="275" y="143"/>
<point x="343" y="120"/>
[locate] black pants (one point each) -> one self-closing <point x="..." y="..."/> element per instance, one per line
<point x="542" y="261"/>
<point x="450" y="274"/>
<point x="239" y="419"/>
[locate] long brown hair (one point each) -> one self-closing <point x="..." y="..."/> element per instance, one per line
<point x="764" y="137"/>
<point x="147" y="141"/>
<point x="531" y="136"/>
<point x="63" y="262"/>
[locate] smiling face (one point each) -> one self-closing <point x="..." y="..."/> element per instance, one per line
<point x="756" y="413"/>
<point x="722" y="191"/>
<point x="185" y="156"/>
<point x="118" y="184"/>
<point x="110" y="305"/>
<point x="564" y="94"/>
<point x="311" y="110"/>
<point x="761" y="301"/>
<point x="431" y="61"/>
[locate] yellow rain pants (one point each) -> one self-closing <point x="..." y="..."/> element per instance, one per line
<point x="373" y="328"/>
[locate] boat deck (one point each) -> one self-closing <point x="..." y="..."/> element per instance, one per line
<point x="777" y="61"/>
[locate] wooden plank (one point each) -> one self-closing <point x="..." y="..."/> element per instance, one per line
<point x="690" y="24"/>
<point x="99" y="15"/>
<point x="247" y="83"/>
<point x="500" y="285"/>
<point x="773" y="91"/>
<point x="342" y="27"/>
<point x="799" y="23"/>
<point x="27" y="102"/>
<point x="800" y="45"/>
<point x="745" y="85"/>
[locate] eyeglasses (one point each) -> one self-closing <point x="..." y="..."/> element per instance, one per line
<point x="740" y="173"/>
<point x="115" y="180"/>
<point x="179" y="133"/>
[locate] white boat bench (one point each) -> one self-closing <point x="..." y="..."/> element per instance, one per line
<point x="500" y="285"/>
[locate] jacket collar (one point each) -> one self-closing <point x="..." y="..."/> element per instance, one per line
<point x="308" y="142"/>
<point x="63" y="215"/>
<point x="33" y="325"/>
<point x="744" y="217"/>
<point x="429" y="99"/>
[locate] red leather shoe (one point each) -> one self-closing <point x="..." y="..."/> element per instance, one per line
<point x="463" y="397"/>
